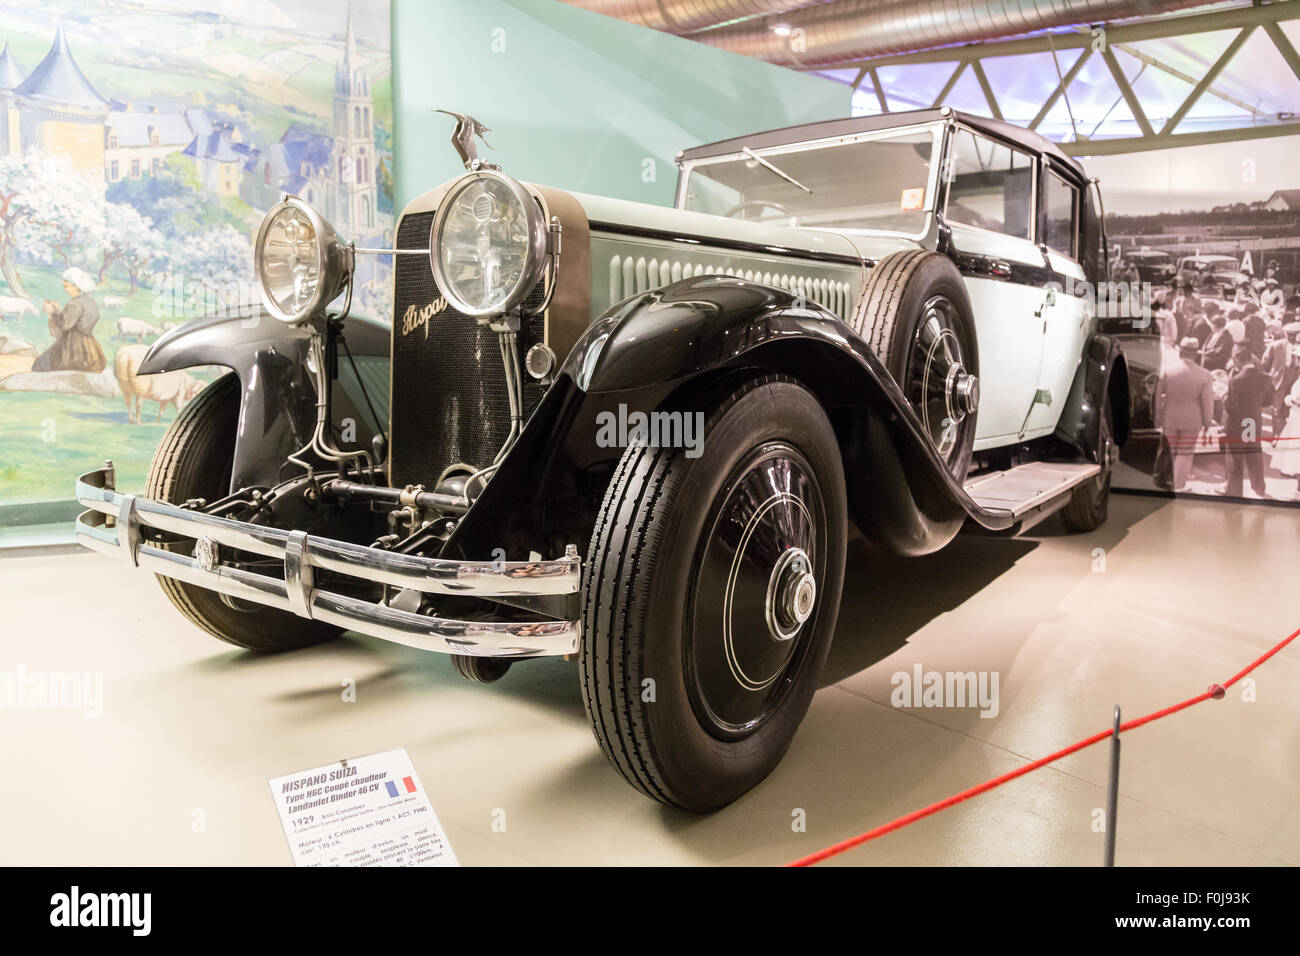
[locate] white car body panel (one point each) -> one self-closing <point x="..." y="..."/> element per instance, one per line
<point x="1009" y="332"/>
<point x="1067" y="324"/>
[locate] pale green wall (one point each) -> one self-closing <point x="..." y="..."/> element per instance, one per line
<point x="575" y="99"/>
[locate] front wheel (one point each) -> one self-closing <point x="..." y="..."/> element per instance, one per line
<point x="711" y="593"/>
<point x="194" y="461"/>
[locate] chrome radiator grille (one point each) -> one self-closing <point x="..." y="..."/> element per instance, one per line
<point x="449" y="402"/>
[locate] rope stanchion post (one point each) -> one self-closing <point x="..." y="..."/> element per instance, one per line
<point x="1112" y="792"/>
<point x="1213" y="692"/>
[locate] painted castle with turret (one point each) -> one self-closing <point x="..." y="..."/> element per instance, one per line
<point x="55" y="109"/>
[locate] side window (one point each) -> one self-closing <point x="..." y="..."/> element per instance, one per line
<point x="1060" y="215"/>
<point x="990" y="185"/>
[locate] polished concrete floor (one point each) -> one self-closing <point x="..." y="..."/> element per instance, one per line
<point x="1166" y="599"/>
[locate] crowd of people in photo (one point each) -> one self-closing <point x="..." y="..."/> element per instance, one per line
<point x="1229" y="386"/>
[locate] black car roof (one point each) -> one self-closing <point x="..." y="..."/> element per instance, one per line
<point x="1015" y="135"/>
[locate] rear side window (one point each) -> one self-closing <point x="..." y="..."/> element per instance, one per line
<point x="1060" y="215"/>
<point x="990" y="185"/>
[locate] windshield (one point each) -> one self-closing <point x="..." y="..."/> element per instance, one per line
<point x="880" y="184"/>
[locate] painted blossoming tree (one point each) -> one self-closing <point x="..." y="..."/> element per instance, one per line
<point x="54" y="216"/>
<point x="123" y="237"/>
<point x="30" y="205"/>
<point x="61" y="213"/>
<point x="212" y="272"/>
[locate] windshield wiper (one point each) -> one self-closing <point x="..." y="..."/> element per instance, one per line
<point x="770" y="168"/>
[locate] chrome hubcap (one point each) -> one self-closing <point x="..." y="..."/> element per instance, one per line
<point x="965" y="392"/>
<point x="791" y="594"/>
<point x="943" y="392"/>
<point x="754" y="603"/>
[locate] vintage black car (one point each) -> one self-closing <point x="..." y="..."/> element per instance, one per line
<point x="1152" y="265"/>
<point x="636" y="436"/>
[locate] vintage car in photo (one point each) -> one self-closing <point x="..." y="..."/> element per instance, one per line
<point x="1211" y="274"/>
<point x="1153" y="265"/>
<point x="636" y="436"/>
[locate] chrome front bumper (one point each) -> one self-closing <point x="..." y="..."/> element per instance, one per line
<point x="112" y="526"/>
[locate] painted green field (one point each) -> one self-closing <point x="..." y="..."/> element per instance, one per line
<point x="47" y="440"/>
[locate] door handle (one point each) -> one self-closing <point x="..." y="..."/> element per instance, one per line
<point x="1049" y="300"/>
<point x="999" y="269"/>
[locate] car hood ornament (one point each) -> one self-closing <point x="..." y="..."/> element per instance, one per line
<point x="462" y="137"/>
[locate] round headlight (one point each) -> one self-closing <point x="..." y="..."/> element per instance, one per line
<point x="300" y="265"/>
<point x="487" y="247"/>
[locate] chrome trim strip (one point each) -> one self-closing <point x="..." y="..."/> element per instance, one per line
<point x="93" y="533"/>
<point x="478" y="638"/>
<point x="430" y="575"/>
<point x="302" y="553"/>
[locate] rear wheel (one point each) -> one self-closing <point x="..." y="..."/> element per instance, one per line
<point x="917" y="318"/>
<point x="194" y="460"/>
<point x="1089" y="504"/>
<point x="711" y="593"/>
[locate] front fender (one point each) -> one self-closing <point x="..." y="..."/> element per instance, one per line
<point x="678" y="332"/>
<point x="660" y="346"/>
<point x="278" y="398"/>
<point x="230" y="341"/>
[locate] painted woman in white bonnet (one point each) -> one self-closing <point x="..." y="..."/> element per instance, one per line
<point x="73" y="328"/>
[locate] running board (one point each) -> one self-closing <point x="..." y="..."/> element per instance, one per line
<point x="1029" y="487"/>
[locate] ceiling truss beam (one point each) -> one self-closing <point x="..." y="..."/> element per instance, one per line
<point x="1245" y="19"/>
<point x="1061" y="87"/>
<point x="1126" y="91"/>
<point x="1284" y="46"/>
<point x="1163" y="28"/>
<point x="880" y="91"/>
<point x="1138" y="144"/>
<point x="952" y="82"/>
<point x="978" y="68"/>
<point x="1187" y="78"/>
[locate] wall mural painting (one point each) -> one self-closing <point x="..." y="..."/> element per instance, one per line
<point x="138" y="152"/>
<point x="1214" y="233"/>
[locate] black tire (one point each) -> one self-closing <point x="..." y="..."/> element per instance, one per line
<point x="905" y="298"/>
<point x="1089" y="504"/>
<point x="657" y="606"/>
<point x="194" y="460"/>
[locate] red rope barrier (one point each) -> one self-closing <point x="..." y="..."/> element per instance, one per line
<point x="1215" y="691"/>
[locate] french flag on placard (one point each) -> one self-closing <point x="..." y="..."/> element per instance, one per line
<point x="407" y="782"/>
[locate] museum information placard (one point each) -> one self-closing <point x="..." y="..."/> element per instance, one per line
<point x="364" y="811"/>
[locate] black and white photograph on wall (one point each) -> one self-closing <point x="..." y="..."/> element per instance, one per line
<point x="1213" y="234"/>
